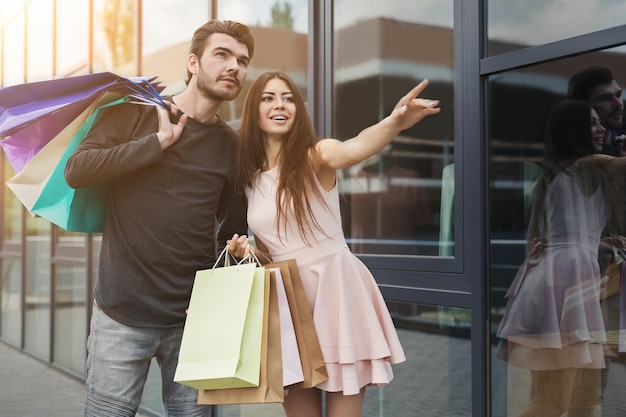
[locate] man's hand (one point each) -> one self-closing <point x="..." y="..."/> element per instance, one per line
<point x="169" y="132"/>
<point x="618" y="143"/>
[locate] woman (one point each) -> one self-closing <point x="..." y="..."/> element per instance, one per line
<point x="289" y="176"/>
<point x="553" y="324"/>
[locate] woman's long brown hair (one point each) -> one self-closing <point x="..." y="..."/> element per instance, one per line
<point x="297" y="181"/>
<point x="568" y="139"/>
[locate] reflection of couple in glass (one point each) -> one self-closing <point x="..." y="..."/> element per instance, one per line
<point x="553" y="324"/>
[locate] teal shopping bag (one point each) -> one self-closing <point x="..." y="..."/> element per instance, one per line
<point x="75" y="210"/>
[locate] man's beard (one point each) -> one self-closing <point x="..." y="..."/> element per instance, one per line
<point x="209" y="90"/>
<point x="614" y="122"/>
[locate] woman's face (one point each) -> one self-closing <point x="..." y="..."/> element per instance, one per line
<point x="597" y="132"/>
<point x="277" y="110"/>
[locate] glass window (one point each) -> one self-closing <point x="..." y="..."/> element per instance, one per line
<point x="12" y="209"/>
<point x="436" y="377"/>
<point x="115" y="37"/>
<point x="164" y="52"/>
<point x="72" y="40"/>
<point x="292" y="15"/>
<point x="13" y="69"/>
<point x="400" y="200"/>
<point x="10" y="264"/>
<point x="513" y="25"/>
<point x="272" y="23"/>
<point x="38" y="41"/>
<point x="70" y="320"/>
<point x="38" y="291"/>
<point x="554" y="280"/>
<point x="11" y="299"/>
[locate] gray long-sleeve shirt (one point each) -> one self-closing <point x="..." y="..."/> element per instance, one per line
<point x="167" y="210"/>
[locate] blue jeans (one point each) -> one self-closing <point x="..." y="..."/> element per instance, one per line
<point x="118" y="360"/>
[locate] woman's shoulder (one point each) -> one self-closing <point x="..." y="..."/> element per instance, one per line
<point x="324" y="174"/>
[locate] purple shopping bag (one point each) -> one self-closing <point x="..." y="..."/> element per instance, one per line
<point x="32" y="124"/>
<point x="45" y="97"/>
<point x="26" y="102"/>
<point x="25" y="144"/>
<point x="17" y="95"/>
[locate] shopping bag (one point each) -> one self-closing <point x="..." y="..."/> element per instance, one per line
<point x="270" y="389"/>
<point x="291" y="363"/>
<point x="14" y="96"/>
<point x="22" y="146"/>
<point x="80" y="209"/>
<point x="23" y="104"/>
<point x="221" y="343"/>
<point x="28" y="184"/>
<point x="313" y="366"/>
<point x="32" y="114"/>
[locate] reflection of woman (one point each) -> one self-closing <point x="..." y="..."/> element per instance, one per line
<point x="553" y="324"/>
<point x="293" y="209"/>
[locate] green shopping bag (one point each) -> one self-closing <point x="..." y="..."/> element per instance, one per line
<point x="75" y="210"/>
<point x="221" y="343"/>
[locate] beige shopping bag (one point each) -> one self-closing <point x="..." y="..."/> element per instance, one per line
<point x="222" y="338"/>
<point x="270" y="389"/>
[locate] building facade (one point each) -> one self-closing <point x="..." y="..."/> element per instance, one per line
<point x="440" y="216"/>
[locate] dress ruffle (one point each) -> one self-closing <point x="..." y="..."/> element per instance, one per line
<point x="350" y="378"/>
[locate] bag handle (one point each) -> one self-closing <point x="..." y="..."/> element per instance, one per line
<point x="250" y="258"/>
<point x="227" y="258"/>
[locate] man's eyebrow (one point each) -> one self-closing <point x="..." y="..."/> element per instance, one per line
<point x="610" y="94"/>
<point x="230" y="51"/>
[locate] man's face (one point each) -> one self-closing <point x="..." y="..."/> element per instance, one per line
<point x="607" y="100"/>
<point x="222" y="69"/>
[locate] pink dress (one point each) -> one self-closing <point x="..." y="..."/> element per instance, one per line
<point x="357" y="336"/>
<point x="554" y="318"/>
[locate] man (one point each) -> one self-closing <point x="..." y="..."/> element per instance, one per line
<point x="598" y="87"/>
<point x="171" y="201"/>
